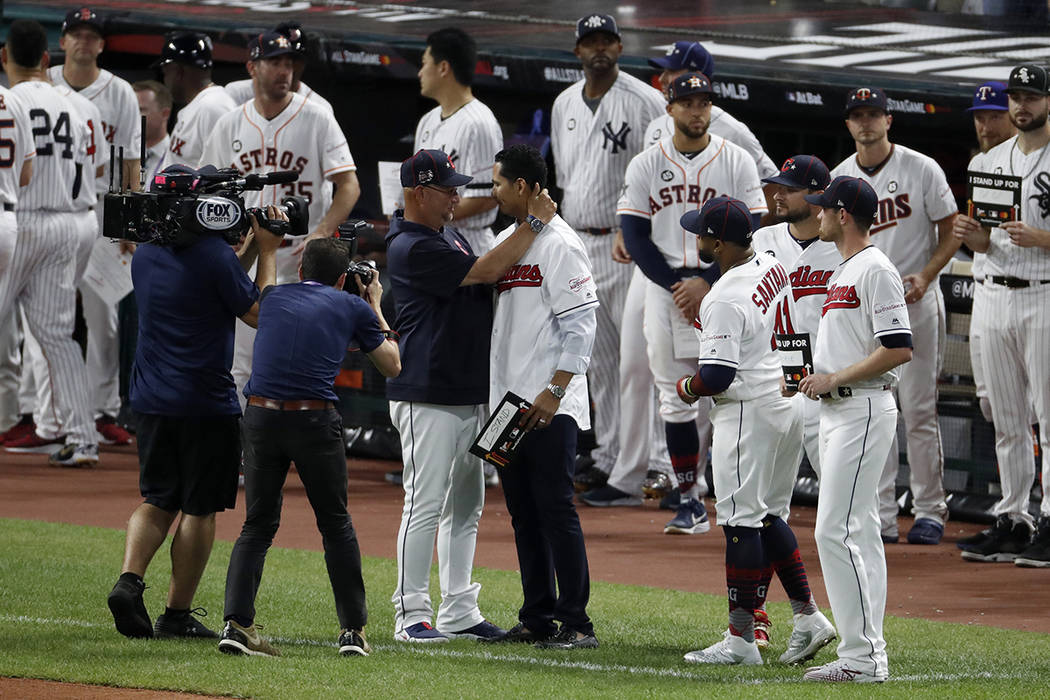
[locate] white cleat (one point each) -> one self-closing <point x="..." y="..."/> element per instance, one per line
<point x="840" y="671"/>
<point x="731" y="651"/>
<point x="811" y="633"/>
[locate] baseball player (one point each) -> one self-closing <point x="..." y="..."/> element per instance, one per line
<point x="240" y="91"/>
<point x="155" y="104"/>
<point x="1016" y="343"/>
<point x="862" y="340"/>
<point x="913" y="229"/>
<point x="663" y="182"/>
<point x="597" y="126"/>
<point x="281" y="130"/>
<point x="461" y="126"/>
<point x="757" y="432"/>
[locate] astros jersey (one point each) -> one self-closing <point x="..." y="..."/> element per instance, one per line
<point x="661" y="184"/>
<point x="865" y="301"/>
<point x="240" y="91"/>
<point x="552" y="279"/>
<point x="736" y="323"/>
<point x="196" y="121"/>
<point x="96" y="156"/>
<point x="1003" y="257"/>
<point x="913" y="193"/>
<point x="592" y="149"/>
<point x="722" y="124"/>
<point x="15" y="131"/>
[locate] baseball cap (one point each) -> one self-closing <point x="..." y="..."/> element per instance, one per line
<point x="990" y="96"/>
<point x="724" y="218"/>
<point x="431" y="167"/>
<point x="589" y="24"/>
<point x="1029" y="78"/>
<point x="294" y="31"/>
<point x="849" y="193"/>
<point x="866" y="97"/>
<point x="268" y="45"/>
<point x="82" y="17"/>
<point x="189" y="48"/>
<point x="687" y="55"/>
<point x="689" y="84"/>
<point x="803" y="172"/>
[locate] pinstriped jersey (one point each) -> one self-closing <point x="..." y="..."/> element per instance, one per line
<point x="194" y="125"/>
<point x="913" y="193"/>
<point x="97" y="156"/>
<point x="16" y="144"/>
<point x="661" y="184"/>
<point x="592" y="149"/>
<point x="471" y="137"/>
<point x="722" y="124"/>
<point x="240" y="91"/>
<point x="304" y="137"/>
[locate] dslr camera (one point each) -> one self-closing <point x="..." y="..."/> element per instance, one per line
<point x="364" y="270"/>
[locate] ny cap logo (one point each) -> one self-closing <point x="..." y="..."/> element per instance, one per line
<point x="672" y="50"/>
<point x="695" y="82"/>
<point x="595" y="21"/>
<point x="841" y="203"/>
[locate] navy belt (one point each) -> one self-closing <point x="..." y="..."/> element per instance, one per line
<point x="9" y="207"/>
<point x="845" y="392"/>
<point x="598" y="231"/>
<point x="688" y="271"/>
<point x="281" y="405"/>
<point x="1015" y="282"/>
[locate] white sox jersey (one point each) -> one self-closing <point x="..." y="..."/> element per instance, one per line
<point x="661" y="184"/>
<point x="865" y="301"/>
<point x="551" y="280"/>
<point x="592" y="149"/>
<point x="98" y="156"/>
<point x="240" y="91"/>
<point x="913" y="193"/>
<point x="195" y="123"/>
<point x="722" y="124"/>
<point x="16" y="144"/>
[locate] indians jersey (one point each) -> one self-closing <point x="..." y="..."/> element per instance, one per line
<point x="661" y="184"/>
<point x="1003" y="257"/>
<point x="98" y="157"/>
<point x="16" y="144"/>
<point x="736" y="323"/>
<point x="304" y="137"/>
<point x="551" y="280"/>
<point x="471" y="138"/>
<point x="195" y="123"/>
<point x="865" y="301"/>
<point x="592" y="149"/>
<point x="722" y="124"/>
<point x="240" y="91"/>
<point x="913" y="194"/>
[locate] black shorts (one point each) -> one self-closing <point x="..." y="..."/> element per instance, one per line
<point x="189" y="463"/>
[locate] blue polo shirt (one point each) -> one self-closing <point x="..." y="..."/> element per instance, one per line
<point x="189" y="300"/>
<point x="304" y="331"/>
<point x="445" y="328"/>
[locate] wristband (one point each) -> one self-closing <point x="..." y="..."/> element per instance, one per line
<point x="688" y="386"/>
<point x="391" y="334"/>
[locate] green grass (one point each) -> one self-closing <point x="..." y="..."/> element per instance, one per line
<point x="54" y="624"/>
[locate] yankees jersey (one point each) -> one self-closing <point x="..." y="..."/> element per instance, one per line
<point x="865" y="301"/>
<point x="1002" y="256"/>
<point x="736" y="322"/>
<point x="195" y="122"/>
<point x="661" y="184"/>
<point x="592" y="149"/>
<point x="16" y="144"/>
<point x="551" y="280"/>
<point x="97" y="157"/>
<point x="471" y="138"/>
<point x="913" y="193"/>
<point x="61" y="136"/>
<point x="722" y="124"/>
<point x="304" y="137"/>
<point x="240" y="91"/>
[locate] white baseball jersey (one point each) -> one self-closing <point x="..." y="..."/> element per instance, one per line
<point x="592" y="149"/>
<point x="16" y="144"/>
<point x="98" y="156"/>
<point x="195" y="123"/>
<point x="471" y="137"/>
<point x="913" y="193"/>
<point x="736" y="323"/>
<point x="661" y="184"/>
<point x="551" y="280"/>
<point x="865" y="301"/>
<point x="240" y="91"/>
<point x="722" y="124"/>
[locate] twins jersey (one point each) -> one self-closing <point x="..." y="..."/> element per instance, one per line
<point x="16" y="144"/>
<point x="722" y="124"/>
<point x="661" y="184"/>
<point x="1003" y="257"/>
<point x="592" y="149"/>
<point x="913" y="194"/>
<point x="865" y="301"/>
<point x="240" y="91"/>
<point x="736" y="322"/>
<point x="551" y="280"/>
<point x="196" y="121"/>
<point x="97" y="157"/>
<point x="471" y="137"/>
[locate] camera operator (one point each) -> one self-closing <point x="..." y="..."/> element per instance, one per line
<point x="189" y="299"/>
<point x="304" y="331"/>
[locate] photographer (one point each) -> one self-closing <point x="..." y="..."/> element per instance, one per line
<point x="304" y="331"/>
<point x="189" y="299"/>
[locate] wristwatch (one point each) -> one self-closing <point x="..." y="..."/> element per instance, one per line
<point x="535" y="224"/>
<point x="556" y="390"/>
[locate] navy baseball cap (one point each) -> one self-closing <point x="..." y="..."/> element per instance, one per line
<point x="1029" y="78"/>
<point x="689" y="84"/>
<point x="268" y="45"/>
<point x="866" y="97"/>
<point x="686" y="55"/>
<point x="990" y="96"/>
<point x="802" y="172"/>
<point x="724" y="218"/>
<point x="849" y="193"/>
<point x="82" y="17"/>
<point x="431" y="167"/>
<point x="294" y="31"/>
<point x="189" y="48"/>
<point x="589" y="24"/>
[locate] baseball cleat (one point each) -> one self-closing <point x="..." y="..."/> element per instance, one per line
<point x="1004" y="544"/>
<point x="1037" y="554"/>
<point x="731" y="651"/>
<point x="606" y="496"/>
<point x="762" y="627"/>
<point x="568" y="638"/>
<point x="110" y="432"/>
<point x="690" y="519"/>
<point x="925" y="531"/>
<point x="484" y="631"/>
<point x="31" y="443"/>
<point x="520" y="634"/>
<point x="840" y="671"/>
<point x="656" y="484"/>
<point x="182" y="625"/>
<point x="75" y="456"/>
<point x="810" y="634"/>
<point x="420" y="633"/>
<point x="353" y="643"/>
<point x="23" y="427"/>
<point x="244" y="641"/>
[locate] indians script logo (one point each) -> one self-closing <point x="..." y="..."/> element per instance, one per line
<point x="840" y="298"/>
<point x="520" y="276"/>
<point x="1042" y="182"/>
<point x="617" y="139"/>
<point x="805" y="281"/>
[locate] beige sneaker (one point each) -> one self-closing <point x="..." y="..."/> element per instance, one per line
<point x="353" y="643"/>
<point x="241" y="641"/>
